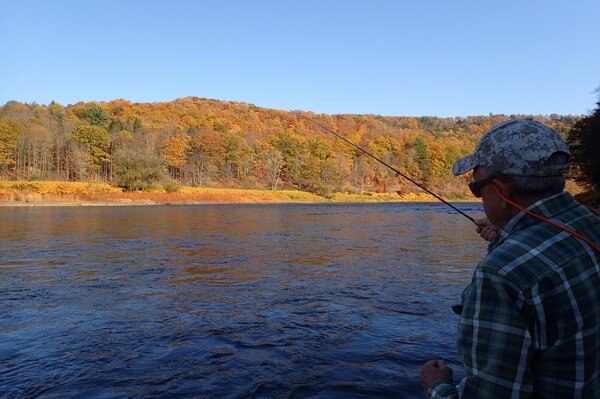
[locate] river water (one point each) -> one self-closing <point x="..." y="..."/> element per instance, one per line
<point x="229" y="301"/>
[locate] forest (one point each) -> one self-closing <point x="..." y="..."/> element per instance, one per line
<point x="209" y="143"/>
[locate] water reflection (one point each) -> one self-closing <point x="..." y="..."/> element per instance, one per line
<point x="229" y="301"/>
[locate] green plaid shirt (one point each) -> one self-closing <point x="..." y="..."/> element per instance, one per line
<point x="530" y="326"/>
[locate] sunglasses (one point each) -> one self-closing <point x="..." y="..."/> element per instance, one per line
<point x="476" y="185"/>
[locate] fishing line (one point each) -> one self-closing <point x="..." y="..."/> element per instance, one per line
<point x="550" y="222"/>
<point x="398" y="173"/>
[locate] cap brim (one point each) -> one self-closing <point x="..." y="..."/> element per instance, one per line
<point x="463" y="165"/>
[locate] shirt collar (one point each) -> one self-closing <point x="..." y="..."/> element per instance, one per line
<point x="548" y="208"/>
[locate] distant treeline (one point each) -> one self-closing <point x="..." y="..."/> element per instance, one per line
<point x="209" y="143"/>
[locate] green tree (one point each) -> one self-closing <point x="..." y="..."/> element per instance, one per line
<point x="137" y="170"/>
<point x="95" y="115"/>
<point x="317" y="169"/>
<point x="421" y="158"/>
<point x="291" y="148"/>
<point x="584" y="143"/>
<point x="137" y="124"/>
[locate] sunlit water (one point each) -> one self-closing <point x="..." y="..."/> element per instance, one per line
<point x="261" y="301"/>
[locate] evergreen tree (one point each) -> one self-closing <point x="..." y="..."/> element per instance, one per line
<point x="584" y="142"/>
<point x="96" y="116"/>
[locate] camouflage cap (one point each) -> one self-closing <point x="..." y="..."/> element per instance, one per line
<point x="518" y="147"/>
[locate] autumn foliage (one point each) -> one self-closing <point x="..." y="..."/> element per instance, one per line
<point x="208" y="143"/>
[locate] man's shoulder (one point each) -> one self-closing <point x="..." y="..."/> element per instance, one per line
<point x="522" y="258"/>
<point x="532" y="253"/>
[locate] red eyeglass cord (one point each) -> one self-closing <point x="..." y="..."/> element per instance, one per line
<point x="558" y="226"/>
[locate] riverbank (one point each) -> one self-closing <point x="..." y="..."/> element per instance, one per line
<point x="47" y="193"/>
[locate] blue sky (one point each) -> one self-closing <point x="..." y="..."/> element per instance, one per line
<point x="388" y="57"/>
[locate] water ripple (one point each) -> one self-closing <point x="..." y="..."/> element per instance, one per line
<point x="271" y="301"/>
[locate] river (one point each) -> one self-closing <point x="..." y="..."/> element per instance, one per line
<point x="229" y="301"/>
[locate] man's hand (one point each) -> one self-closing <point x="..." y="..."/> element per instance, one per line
<point x="434" y="371"/>
<point x="486" y="229"/>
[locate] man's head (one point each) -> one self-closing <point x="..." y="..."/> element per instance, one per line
<point x="518" y="147"/>
<point x="519" y="158"/>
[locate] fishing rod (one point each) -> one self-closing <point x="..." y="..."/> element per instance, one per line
<point x="398" y="173"/>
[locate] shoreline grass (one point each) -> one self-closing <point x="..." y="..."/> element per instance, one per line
<point x="60" y="193"/>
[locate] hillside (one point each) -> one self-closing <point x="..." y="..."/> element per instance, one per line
<point x="209" y="143"/>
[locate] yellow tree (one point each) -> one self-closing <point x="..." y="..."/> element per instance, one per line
<point x="8" y="142"/>
<point x="205" y="158"/>
<point x="174" y="151"/>
<point x="436" y="154"/>
<point x="237" y="155"/>
<point x="389" y="150"/>
<point x="96" y="142"/>
<point x="271" y="162"/>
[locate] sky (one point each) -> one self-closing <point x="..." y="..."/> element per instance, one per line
<point x="388" y="57"/>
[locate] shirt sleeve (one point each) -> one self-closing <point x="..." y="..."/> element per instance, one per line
<point x="493" y="341"/>
<point x="442" y="390"/>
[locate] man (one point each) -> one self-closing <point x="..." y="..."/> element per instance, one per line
<point x="530" y="323"/>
